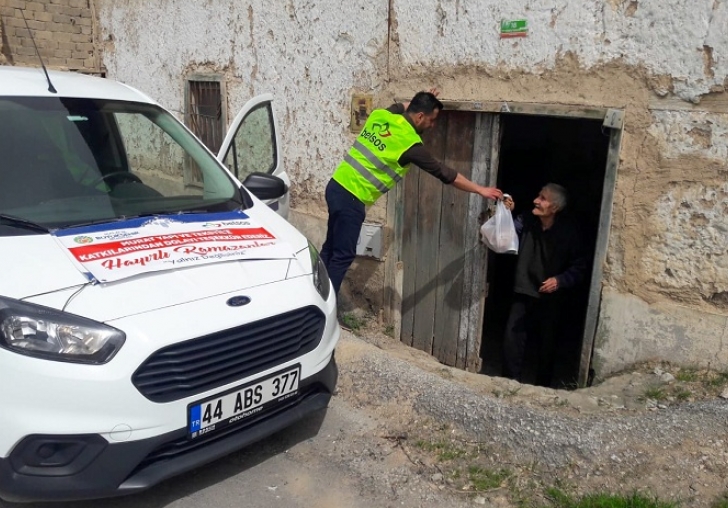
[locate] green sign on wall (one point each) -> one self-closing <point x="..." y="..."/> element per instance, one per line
<point x="514" y="28"/>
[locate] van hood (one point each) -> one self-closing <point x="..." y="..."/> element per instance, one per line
<point x="40" y="270"/>
<point x="155" y="290"/>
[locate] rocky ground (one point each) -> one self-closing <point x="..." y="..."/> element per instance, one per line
<point x="657" y="429"/>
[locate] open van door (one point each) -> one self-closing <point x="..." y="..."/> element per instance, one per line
<point x="252" y="145"/>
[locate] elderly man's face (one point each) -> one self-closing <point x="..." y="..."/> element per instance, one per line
<point x="543" y="205"/>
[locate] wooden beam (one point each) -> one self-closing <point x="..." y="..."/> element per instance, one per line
<point x="712" y="103"/>
<point x="475" y="264"/>
<point x="600" y="256"/>
<point x="530" y="108"/>
<point x="451" y="272"/>
<point x="393" y="265"/>
<point x="410" y="207"/>
<point x="424" y="299"/>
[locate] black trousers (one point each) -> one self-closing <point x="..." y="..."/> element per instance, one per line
<point x="532" y="338"/>
<point x="346" y="216"/>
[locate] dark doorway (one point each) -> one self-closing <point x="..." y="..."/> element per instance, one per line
<point x="535" y="150"/>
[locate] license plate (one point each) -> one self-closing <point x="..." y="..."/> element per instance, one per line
<point x="232" y="407"/>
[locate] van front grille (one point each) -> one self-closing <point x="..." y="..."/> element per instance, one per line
<point x="204" y="363"/>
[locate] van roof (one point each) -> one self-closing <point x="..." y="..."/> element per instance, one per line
<point x="31" y="82"/>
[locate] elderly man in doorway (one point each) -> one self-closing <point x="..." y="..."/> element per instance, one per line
<point x="381" y="156"/>
<point x="551" y="260"/>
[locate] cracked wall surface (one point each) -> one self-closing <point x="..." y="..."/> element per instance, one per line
<point x="687" y="252"/>
<point x="665" y="62"/>
<point x="684" y="40"/>
<point x="309" y="54"/>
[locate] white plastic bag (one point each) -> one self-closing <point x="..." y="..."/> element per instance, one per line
<point x="499" y="233"/>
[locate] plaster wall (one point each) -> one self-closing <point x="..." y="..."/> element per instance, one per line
<point x="309" y="55"/>
<point x="665" y="62"/>
<point x="630" y="330"/>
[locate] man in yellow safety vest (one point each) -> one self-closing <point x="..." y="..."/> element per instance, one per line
<point x="380" y="157"/>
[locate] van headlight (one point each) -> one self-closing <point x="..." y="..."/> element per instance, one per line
<point x="50" y="334"/>
<point x="320" y="275"/>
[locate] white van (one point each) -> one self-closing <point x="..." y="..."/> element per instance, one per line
<point x="155" y="313"/>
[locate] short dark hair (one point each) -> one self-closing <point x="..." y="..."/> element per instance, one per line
<point x="424" y="102"/>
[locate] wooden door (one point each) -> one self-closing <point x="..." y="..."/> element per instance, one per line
<point x="443" y="261"/>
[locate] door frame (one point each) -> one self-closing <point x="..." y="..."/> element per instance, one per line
<point x="600" y="256"/>
<point x="471" y="329"/>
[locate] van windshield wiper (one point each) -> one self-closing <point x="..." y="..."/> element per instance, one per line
<point x="166" y="214"/>
<point x="22" y="223"/>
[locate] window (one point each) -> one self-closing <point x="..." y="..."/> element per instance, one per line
<point x="254" y="146"/>
<point x="204" y="115"/>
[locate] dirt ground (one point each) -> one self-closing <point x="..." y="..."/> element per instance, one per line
<point x="647" y="386"/>
<point x="665" y="443"/>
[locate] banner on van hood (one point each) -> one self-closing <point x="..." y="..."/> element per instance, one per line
<point x="113" y="251"/>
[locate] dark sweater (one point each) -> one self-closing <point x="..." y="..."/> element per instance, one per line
<point x="556" y="252"/>
<point x="420" y="157"/>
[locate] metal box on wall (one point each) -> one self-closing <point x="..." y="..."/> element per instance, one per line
<point x="369" y="243"/>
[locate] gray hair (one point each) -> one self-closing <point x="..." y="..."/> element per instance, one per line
<point x="559" y="195"/>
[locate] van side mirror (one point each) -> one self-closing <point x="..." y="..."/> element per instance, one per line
<point x="265" y="186"/>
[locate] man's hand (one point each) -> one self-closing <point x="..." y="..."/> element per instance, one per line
<point x="462" y="183"/>
<point x="490" y="192"/>
<point x="549" y="285"/>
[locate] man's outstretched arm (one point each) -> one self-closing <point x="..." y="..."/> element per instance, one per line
<point x="463" y="184"/>
<point x="421" y="157"/>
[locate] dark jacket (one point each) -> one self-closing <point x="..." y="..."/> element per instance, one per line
<point x="418" y="155"/>
<point x="557" y="252"/>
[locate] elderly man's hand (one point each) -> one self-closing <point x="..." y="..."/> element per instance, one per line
<point x="549" y="285"/>
<point x="508" y="201"/>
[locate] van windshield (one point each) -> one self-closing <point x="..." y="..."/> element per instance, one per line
<point x="65" y="162"/>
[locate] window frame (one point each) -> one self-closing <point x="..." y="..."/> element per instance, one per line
<point x="188" y="113"/>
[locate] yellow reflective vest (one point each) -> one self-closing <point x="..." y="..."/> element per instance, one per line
<point x="371" y="167"/>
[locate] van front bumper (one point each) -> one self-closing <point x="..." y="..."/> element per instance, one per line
<point x="87" y="466"/>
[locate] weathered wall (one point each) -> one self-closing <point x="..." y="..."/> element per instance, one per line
<point x="309" y="55"/>
<point x="63" y="32"/>
<point x="664" y="61"/>
<point x="666" y="64"/>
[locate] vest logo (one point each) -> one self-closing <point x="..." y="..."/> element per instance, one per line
<point x="378" y="131"/>
<point x="382" y="129"/>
